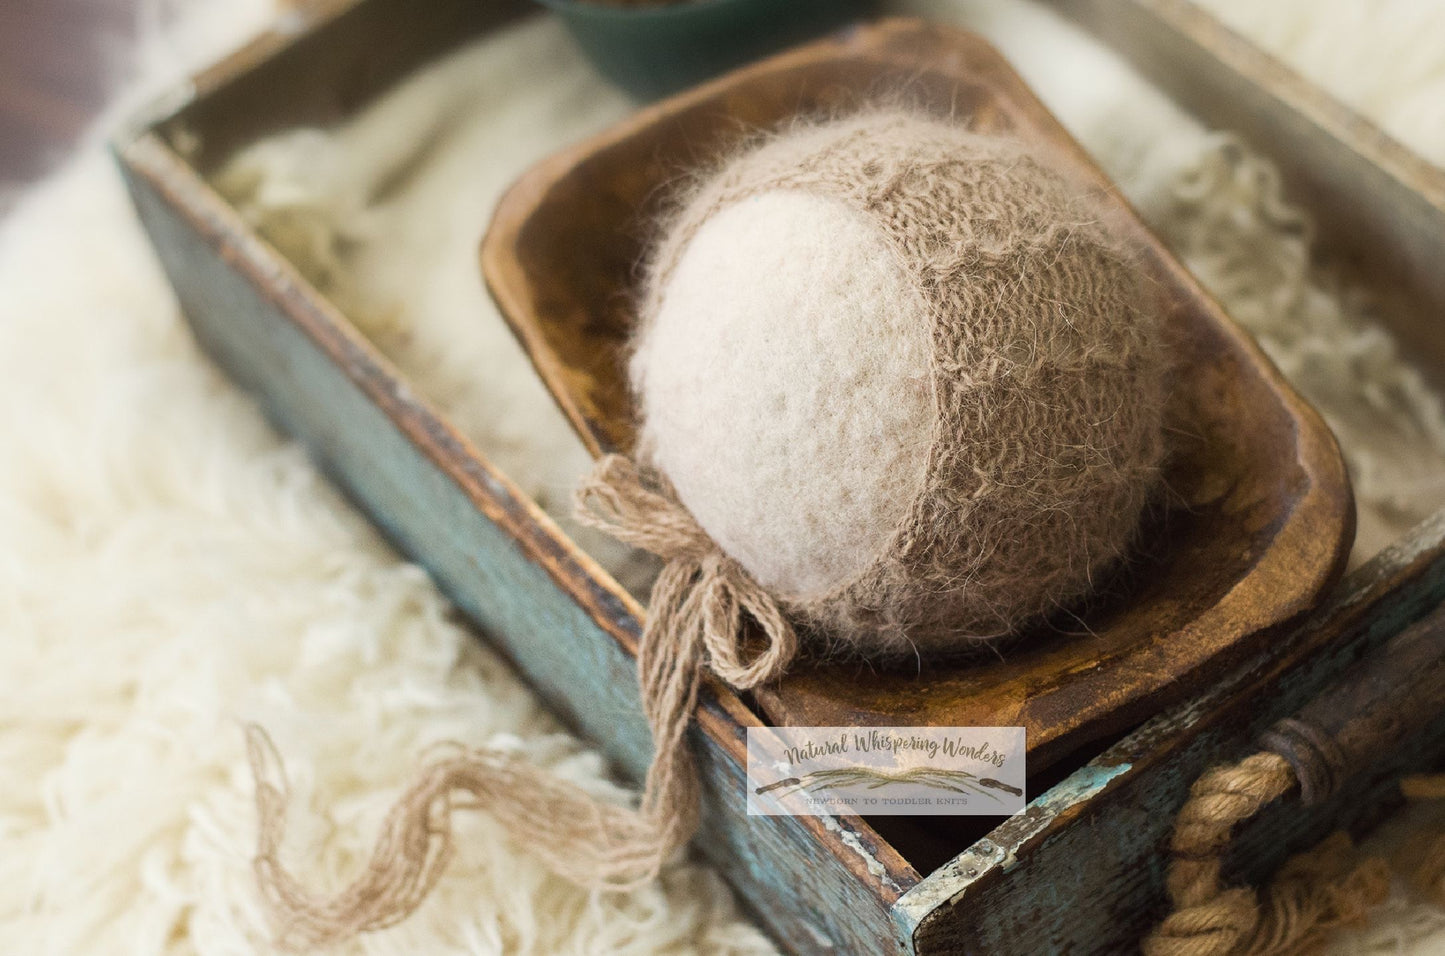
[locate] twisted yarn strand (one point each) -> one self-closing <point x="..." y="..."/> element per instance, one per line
<point x="695" y="620"/>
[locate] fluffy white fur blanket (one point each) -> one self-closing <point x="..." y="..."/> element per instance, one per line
<point x="169" y="567"/>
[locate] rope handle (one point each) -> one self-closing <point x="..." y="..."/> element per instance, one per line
<point x="1394" y="692"/>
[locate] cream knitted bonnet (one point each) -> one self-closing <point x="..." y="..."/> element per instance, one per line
<point x="905" y="376"/>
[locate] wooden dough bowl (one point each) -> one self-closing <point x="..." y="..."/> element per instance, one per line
<point x="1260" y="516"/>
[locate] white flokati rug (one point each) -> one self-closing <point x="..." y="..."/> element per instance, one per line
<point x="170" y="568"/>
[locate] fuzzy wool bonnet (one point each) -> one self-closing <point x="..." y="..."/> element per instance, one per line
<point x="898" y="384"/>
<point x="903" y="374"/>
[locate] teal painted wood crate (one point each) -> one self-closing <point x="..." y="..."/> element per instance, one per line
<point x="1081" y="870"/>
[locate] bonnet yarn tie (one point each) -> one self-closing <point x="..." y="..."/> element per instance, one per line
<point x="695" y="620"/>
<point x="701" y="589"/>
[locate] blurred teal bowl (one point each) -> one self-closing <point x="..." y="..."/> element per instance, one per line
<point x="656" y="50"/>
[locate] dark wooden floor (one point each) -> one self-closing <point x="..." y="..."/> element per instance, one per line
<point x="58" y="60"/>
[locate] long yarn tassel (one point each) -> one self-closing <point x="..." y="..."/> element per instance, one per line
<point x="695" y="620"/>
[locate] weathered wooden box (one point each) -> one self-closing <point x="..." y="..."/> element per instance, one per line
<point x="1081" y="870"/>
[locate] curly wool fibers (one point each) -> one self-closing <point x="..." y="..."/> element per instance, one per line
<point x="905" y="376"/>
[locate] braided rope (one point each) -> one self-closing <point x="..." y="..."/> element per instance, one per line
<point x="1311" y="893"/>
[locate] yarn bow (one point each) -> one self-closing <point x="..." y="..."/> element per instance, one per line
<point x="694" y="618"/>
<point x="701" y="594"/>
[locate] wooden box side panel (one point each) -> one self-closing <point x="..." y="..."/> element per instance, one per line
<point x="318" y="65"/>
<point x="1082" y="869"/>
<point x="1380" y="207"/>
<point x="242" y="304"/>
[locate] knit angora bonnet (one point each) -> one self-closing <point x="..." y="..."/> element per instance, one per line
<point x="897" y="383"/>
<point x="905" y="376"/>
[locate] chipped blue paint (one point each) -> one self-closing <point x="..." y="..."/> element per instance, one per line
<point x="949" y="885"/>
